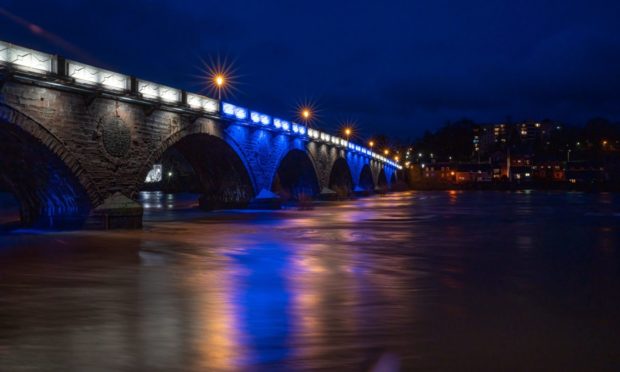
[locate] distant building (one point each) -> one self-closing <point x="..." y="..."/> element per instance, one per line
<point x="500" y="133"/>
<point x="531" y="131"/>
<point x="487" y="138"/>
<point x="473" y="172"/>
<point x="585" y="172"/>
<point x="549" y="170"/>
<point x="458" y="172"/>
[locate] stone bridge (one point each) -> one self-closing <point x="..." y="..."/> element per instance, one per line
<point x="78" y="142"/>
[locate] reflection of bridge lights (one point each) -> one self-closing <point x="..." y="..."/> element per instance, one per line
<point x="154" y="174"/>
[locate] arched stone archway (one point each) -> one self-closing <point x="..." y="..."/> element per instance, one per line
<point x="295" y="177"/>
<point x="51" y="186"/>
<point x="366" y="181"/>
<point x="382" y="181"/>
<point x="393" y="180"/>
<point x="340" y="179"/>
<point x="219" y="173"/>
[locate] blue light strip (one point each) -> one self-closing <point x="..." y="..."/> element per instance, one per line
<point x="240" y="114"/>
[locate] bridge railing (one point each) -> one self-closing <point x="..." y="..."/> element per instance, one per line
<point x="44" y="65"/>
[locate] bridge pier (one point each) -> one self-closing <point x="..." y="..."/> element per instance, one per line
<point x="116" y="212"/>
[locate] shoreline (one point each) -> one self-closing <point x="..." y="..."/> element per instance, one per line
<point x="518" y="187"/>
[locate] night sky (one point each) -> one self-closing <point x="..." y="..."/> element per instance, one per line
<point x="394" y="67"/>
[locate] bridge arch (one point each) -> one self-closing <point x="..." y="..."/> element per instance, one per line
<point x="50" y="184"/>
<point x="366" y="181"/>
<point x="220" y="168"/>
<point x="340" y="178"/>
<point x="296" y="176"/>
<point x="393" y="179"/>
<point x="382" y="180"/>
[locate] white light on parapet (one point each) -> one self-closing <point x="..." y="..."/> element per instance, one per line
<point x="228" y="109"/>
<point x="25" y="59"/>
<point x="260" y="118"/>
<point x="241" y="113"/>
<point x="90" y="75"/>
<point x="255" y="117"/>
<point x="199" y="102"/>
<point x="157" y="91"/>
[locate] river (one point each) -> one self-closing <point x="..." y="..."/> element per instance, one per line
<point x="421" y="280"/>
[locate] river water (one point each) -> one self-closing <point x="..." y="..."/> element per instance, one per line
<point x="420" y="280"/>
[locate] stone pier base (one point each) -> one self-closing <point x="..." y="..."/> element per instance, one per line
<point x="116" y="212"/>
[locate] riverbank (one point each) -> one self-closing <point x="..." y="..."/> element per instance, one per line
<point x="506" y="186"/>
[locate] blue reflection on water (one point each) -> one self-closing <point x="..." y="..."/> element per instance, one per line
<point x="263" y="298"/>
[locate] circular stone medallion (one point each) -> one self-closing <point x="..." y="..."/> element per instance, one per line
<point x="116" y="137"/>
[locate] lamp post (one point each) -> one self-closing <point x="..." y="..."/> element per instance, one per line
<point x="347" y="133"/>
<point x="219" y="80"/>
<point x="305" y="115"/>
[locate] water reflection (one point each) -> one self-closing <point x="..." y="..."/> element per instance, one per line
<point x="430" y="280"/>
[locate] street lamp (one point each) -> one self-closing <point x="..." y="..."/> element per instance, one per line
<point x="371" y="144"/>
<point x="347" y="132"/>
<point x="386" y="152"/>
<point x="219" y="80"/>
<point x="305" y="114"/>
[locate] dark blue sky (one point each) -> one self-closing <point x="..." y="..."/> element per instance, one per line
<point x="397" y="67"/>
